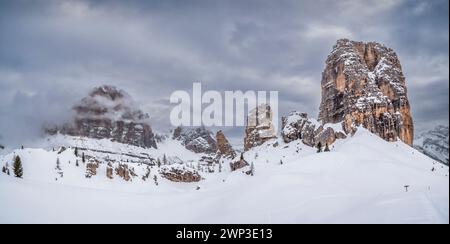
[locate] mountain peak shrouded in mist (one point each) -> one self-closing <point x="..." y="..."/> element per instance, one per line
<point x="111" y="103"/>
<point x="108" y="112"/>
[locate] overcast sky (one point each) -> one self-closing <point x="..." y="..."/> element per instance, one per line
<point x="53" y="52"/>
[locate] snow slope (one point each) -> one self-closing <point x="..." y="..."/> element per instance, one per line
<point x="361" y="180"/>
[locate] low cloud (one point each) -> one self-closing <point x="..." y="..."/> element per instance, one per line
<point x="53" y="52"/>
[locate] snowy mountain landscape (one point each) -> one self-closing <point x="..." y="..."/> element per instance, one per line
<point x="307" y="187"/>
<point x="434" y="143"/>
<point x="224" y="112"/>
<point x="107" y="166"/>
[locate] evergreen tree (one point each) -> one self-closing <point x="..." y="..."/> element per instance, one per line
<point x="319" y="147"/>
<point x="252" y="169"/>
<point x="58" y="164"/>
<point x="164" y="160"/>
<point x="220" y="167"/>
<point x="327" y="149"/>
<point x="17" y="167"/>
<point x="155" y="178"/>
<point x="242" y="156"/>
<point x="83" y="159"/>
<point x="76" y="163"/>
<point x="158" y="162"/>
<point x="76" y="152"/>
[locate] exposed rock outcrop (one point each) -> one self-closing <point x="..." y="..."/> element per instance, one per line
<point x="297" y="126"/>
<point x="238" y="164"/>
<point x="108" y="112"/>
<point x="180" y="174"/>
<point x="109" y="171"/>
<point x="198" y="140"/>
<point x="224" y="148"/>
<point x="91" y="169"/>
<point x="434" y="143"/>
<point x="260" y="127"/>
<point x="123" y="172"/>
<point x="363" y="84"/>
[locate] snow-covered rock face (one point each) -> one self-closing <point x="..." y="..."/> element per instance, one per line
<point x="224" y="148"/>
<point x="108" y="112"/>
<point x="434" y="143"/>
<point x="361" y="180"/>
<point x="260" y="127"/>
<point x="297" y="126"/>
<point x="180" y="173"/>
<point x="363" y="84"/>
<point x="198" y="140"/>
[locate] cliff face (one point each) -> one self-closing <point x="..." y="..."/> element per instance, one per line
<point x="224" y="148"/>
<point x="260" y="127"/>
<point x="108" y="112"/>
<point x="198" y="140"/>
<point x="363" y="84"/>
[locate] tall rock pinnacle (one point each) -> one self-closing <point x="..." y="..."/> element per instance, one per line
<point x="363" y="84"/>
<point x="260" y="127"/>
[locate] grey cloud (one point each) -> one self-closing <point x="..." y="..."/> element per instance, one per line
<point x="53" y="52"/>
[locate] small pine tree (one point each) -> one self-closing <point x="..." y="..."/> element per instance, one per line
<point x="327" y="149"/>
<point x="164" y="160"/>
<point x="83" y="158"/>
<point x="76" y="163"/>
<point x="155" y="178"/>
<point x="4" y="169"/>
<point x="17" y="167"/>
<point x="319" y="147"/>
<point x="76" y="152"/>
<point x="242" y="156"/>
<point x="58" y="164"/>
<point x="220" y="167"/>
<point x="158" y="162"/>
<point x="252" y="169"/>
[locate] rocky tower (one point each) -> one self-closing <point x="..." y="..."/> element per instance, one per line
<point x="223" y="146"/>
<point x="363" y="84"/>
<point x="260" y="127"/>
<point x="108" y="112"/>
